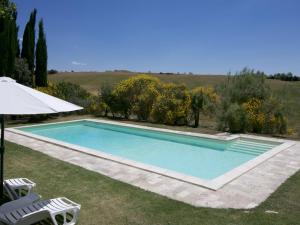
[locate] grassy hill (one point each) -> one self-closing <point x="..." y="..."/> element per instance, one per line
<point x="92" y="81"/>
<point x="289" y="92"/>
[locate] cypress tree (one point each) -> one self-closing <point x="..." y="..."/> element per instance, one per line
<point x="18" y="50"/>
<point x="28" y="43"/>
<point x="12" y="45"/>
<point x="41" y="58"/>
<point x="8" y="35"/>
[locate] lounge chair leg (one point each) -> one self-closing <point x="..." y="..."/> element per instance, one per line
<point x="54" y="219"/>
<point x="74" y="214"/>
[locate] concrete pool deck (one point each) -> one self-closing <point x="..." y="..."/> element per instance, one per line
<point x="246" y="191"/>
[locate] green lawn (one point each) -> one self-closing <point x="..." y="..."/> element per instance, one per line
<point x="106" y="201"/>
<point x="289" y="92"/>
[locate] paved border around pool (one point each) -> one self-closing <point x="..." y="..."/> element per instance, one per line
<point x="246" y="191"/>
<point x="213" y="184"/>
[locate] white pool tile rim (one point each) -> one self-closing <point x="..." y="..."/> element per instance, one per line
<point x="213" y="184"/>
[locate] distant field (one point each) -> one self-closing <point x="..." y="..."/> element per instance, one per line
<point x="92" y="81"/>
<point x="289" y="92"/>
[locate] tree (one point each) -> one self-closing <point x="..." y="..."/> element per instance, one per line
<point x="22" y="74"/>
<point x="12" y="45"/>
<point x="7" y="9"/>
<point x="41" y="58"/>
<point x="106" y="97"/>
<point x="8" y="37"/>
<point x="202" y="98"/>
<point x="28" y="43"/>
<point x="52" y="71"/>
<point x="284" y="76"/>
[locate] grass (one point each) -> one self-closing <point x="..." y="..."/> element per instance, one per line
<point x="289" y="92"/>
<point x="106" y="201"/>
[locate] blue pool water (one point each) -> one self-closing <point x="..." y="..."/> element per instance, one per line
<point x="200" y="157"/>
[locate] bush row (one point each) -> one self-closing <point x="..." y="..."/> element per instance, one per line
<point x="146" y="98"/>
<point x="243" y="103"/>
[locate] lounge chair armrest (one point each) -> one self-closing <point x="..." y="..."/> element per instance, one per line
<point x="66" y="200"/>
<point x="19" y="203"/>
<point x="28" y="182"/>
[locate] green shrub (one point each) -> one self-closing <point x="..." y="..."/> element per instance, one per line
<point x="73" y="93"/>
<point x="247" y="96"/>
<point x="235" y="118"/>
<point x="245" y="85"/>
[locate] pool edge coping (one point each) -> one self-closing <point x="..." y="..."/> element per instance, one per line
<point x="213" y="184"/>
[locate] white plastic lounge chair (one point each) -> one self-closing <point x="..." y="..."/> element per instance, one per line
<point x="23" y="212"/>
<point x="18" y="187"/>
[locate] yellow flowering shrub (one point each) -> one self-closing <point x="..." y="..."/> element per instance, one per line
<point x="136" y="95"/>
<point x="265" y="116"/>
<point x="254" y="114"/>
<point x="172" y="105"/>
<point x="50" y="90"/>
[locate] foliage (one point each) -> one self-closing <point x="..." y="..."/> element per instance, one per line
<point x="246" y="105"/>
<point x="284" y="76"/>
<point x="234" y="119"/>
<point x="28" y="44"/>
<point x="106" y="98"/>
<point x="245" y="85"/>
<point x="172" y="105"/>
<point x="22" y="74"/>
<point x="7" y="9"/>
<point x="8" y="37"/>
<point x="254" y="115"/>
<point x="265" y="116"/>
<point x="72" y="93"/>
<point x="135" y="95"/>
<point x="41" y="58"/>
<point x="10" y="49"/>
<point x="288" y="92"/>
<point x="146" y="90"/>
<point x="202" y="99"/>
<point x="275" y="121"/>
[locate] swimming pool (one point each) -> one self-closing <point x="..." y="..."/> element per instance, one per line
<point x="174" y="154"/>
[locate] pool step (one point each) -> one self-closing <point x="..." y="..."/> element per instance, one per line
<point x="256" y="143"/>
<point x="244" y="152"/>
<point x="249" y="147"/>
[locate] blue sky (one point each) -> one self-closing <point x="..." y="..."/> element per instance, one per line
<point x="212" y="36"/>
